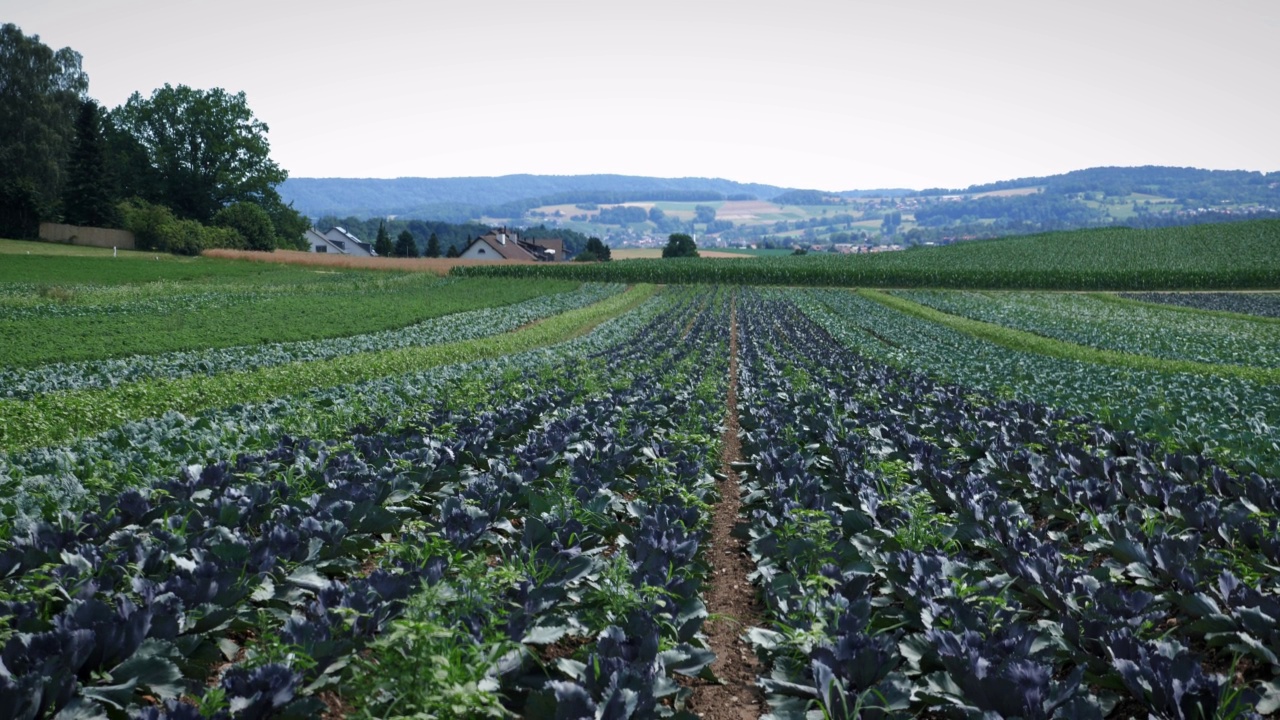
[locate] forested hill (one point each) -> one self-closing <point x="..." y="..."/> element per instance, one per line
<point x="1208" y="187"/>
<point x="466" y="198"/>
<point x="1075" y="199"/>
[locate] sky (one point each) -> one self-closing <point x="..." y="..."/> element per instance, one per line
<point x="825" y="94"/>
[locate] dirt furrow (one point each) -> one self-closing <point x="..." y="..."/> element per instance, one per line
<point x="731" y="599"/>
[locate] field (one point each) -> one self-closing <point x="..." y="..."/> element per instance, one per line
<point x="236" y="489"/>
<point x="1231" y="256"/>
<point x="655" y="253"/>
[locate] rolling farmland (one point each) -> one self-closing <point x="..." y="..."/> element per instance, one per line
<point x="487" y="497"/>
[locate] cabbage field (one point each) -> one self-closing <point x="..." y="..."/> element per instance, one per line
<point x="583" y="500"/>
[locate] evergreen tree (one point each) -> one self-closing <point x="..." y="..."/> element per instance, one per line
<point x="433" y="247"/>
<point x="405" y="246"/>
<point x="87" y="198"/>
<point x="383" y="245"/>
<point x="453" y="252"/>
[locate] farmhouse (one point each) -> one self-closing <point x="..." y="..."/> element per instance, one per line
<point x="338" y="241"/>
<point x="503" y="244"/>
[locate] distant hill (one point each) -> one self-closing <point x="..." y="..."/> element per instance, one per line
<point x="461" y="199"/>
<point x="1208" y="187"/>
<point x="757" y="214"/>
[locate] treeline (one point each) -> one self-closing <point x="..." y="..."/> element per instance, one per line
<point x="184" y="169"/>
<point x="451" y="238"/>
<point x="808" y="197"/>
<point x="1018" y="213"/>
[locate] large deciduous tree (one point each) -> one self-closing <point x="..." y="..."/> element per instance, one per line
<point x="40" y="94"/>
<point x="680" y="245"/>
<point x="196" y="151"/>
<point x="251" y="222"/>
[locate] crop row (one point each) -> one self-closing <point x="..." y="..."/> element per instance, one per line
<point x="562" y="499"/>
<point x="1235" y="421"/>
<point x="1110" y="324"/>
<point x="45" y="481"/>
<point x="1258" y="304"/>
<point x="24" y="383"/>
<point x="922" y="548"/>
<point x="55" y="418"/>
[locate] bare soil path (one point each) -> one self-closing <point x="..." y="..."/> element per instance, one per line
<point x="731" y="599"/>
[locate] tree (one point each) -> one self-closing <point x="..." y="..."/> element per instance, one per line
<point x="680" y="245"/>
<point x="40" y="94"/>
<point x="251" y="222"/>
<point x="453" y="252"/>
<point x="382" y="245"/>
<point x="891" y="222"/>
<point x="405" y="246"/>
<point x="704" y="214"/>
<point x="194" y="150"/>
<point x="289" y="224"/>
<point x="595" y="251"/>
<point x="20" y="209"/>
<point x="88" y="197"/>
<point x="433" y="247"/>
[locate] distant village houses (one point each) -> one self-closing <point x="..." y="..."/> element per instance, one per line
<point x="338" y="242"/>
<point x="503" y="244"/>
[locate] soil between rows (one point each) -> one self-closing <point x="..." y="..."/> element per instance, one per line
<point x="731" y="599"/>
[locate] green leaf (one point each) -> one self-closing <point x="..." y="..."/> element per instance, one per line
<point x="545" y="635"/>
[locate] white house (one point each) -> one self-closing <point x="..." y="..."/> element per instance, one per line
<point x="339" y="242"/>
<point x="503" y="244"/>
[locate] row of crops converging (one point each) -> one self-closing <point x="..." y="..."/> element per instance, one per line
<point x="530" y="539"/>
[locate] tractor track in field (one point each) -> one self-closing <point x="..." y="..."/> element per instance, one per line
<point x="731" y="598"/>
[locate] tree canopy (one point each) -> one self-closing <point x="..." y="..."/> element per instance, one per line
<point x="680" y="245"/>
<point x="40" y="94"/>
<point x="596" y="250"/>
<point x="195" y="151"/>
<point x="251" y="222"/>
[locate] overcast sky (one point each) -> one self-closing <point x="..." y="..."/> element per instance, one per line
<point x="825" y="94"/>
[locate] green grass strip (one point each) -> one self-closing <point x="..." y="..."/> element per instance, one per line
<point x="1024" y="341"/>
<point x="55" y="418"/>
